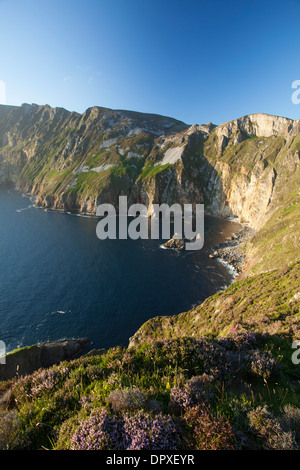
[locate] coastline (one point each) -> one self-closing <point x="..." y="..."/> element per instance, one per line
<point x="230" y="253"/>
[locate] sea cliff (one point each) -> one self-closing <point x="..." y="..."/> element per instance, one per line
<point x="240" y="169"/>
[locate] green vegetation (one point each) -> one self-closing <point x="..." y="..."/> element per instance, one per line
<point x="152" y="171"/>
<point x="266" y="303"/>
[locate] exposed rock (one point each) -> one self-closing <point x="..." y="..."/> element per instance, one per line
<point x="175" y="244"/>
<point x="230" y="251"/>
<point x="30" y="358"/>
<point x="96" y="352"/>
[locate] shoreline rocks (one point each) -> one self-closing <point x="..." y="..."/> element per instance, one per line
<point x="175" y="244"/>
<point x="230" y="251"/>
<point x="178" y="244"/>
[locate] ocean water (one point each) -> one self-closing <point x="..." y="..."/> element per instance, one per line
<point x="58" y="280"/>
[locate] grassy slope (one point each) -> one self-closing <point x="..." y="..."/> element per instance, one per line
<point x="265" y="303"/>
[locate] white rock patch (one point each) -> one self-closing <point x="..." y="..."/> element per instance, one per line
<point x="108" y="143"/>
<point x="134" y="155"/>
<point x="81" y="169"/>
<point x="102" y="168"/>
<point x="172" y="155"/>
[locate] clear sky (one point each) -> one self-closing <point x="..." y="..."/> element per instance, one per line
<point x="194" y="60"/>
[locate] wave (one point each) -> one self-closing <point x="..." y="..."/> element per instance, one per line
<point x="25" y="208"/>
<point x="229" y="267"/>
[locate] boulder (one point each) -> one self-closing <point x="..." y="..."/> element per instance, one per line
<point x="175" y="244"/>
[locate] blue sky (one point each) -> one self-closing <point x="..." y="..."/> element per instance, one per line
<point x="194" y="60"/>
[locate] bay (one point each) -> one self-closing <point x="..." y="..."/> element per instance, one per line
<point x="58" y="280"/>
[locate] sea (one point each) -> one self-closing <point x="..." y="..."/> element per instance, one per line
<point x="58" y="280"/>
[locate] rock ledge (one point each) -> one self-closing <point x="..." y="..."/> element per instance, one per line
<point x="26" y="360"/>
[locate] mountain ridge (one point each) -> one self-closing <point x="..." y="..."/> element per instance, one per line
<point x="74" y="162"/>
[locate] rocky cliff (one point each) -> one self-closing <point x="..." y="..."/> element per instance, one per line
<point x="241" y="168"/>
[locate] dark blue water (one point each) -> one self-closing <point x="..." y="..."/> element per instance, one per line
<point x="58" y="280"/>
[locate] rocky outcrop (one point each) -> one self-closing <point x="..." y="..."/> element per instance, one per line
<point x="231" y="250"/>
<point x="28" y="359"/>
<point x="256" y="125"/>
<point x="174" y="243"/>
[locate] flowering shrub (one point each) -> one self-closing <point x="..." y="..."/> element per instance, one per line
<point x="264" y="424"/>
<point x="195" y="391"/>
<point x="238" y="341"/>
<point x="100" y="431"/>
<point x="146" y="432"/>
<point x="290" y="420"/>
<point x="207" y="431"/>
<point x="105" y="431"/>
<point x="9" y="427"/>
<point x="262" y="364"/>
<point x="39" y="382"/>
<point x="180" y="399"/>
<point x="197" y="355"/>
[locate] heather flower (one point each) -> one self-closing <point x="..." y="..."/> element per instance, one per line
<point x="207" y="431"/>
<point x="195" y="391"/>
<point x="180" y="399"/>
<point x="262" y="364"/>
<point x="147" y="432"/>
<point x="197" y="355"/>
<point x="139" y="431"/>
<point x="269" y="429"/>
<point x="86" y="401"/>
<point x="238" y="341"/>
<point x="113" y="379"/>
<point x="290" y="420"/>
<point x="9" y="428"/>
<point x="39" y="382"/>
<point x="101" y="431"/>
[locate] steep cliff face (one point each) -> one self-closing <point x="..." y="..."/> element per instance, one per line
<point x="251" y="156"/>
<point x="75" y="162"/>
